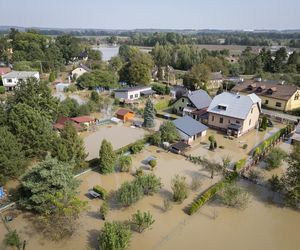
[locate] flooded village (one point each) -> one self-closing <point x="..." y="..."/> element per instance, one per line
<point x="148" y="140"/>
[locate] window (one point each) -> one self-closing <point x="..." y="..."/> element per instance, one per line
<point x="212" y="118"/>
<point x="252" y="110"/>
<point x="180" y="108"/>
<point x="296" y="97"/>
<point x="131" y="97"/>
<point x="250" y="122"/>
<point x="278" y="104"/>
<point x="136" y="95"/>
<point x="229" y="121"/>
<point x="9" y="80"/>
<point x="237" y="122"/>
<point x="221" y="119"/>
<point x="266" y="102"/>
<point x="182" y="99"/>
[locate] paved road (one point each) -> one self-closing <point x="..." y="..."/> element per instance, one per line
<point x="280" y="115"/>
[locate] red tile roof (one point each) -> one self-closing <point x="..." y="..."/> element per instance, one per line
<point x="4" y="70"/>
<point x="82" y="119"/>
<point x="60" y="123"/>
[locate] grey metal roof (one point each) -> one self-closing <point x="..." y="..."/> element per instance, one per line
<point x="237" y="106"/>
<point x="189" y="126"/>
<point x="199" y="98"/>
<point x="20" y="74"/>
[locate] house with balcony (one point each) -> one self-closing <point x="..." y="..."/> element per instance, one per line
<point x="193" y="104"/>
<point x="273" y="94"/>
<point x="234" y="114"/>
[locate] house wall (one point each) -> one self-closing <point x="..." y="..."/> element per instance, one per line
<point x="11" y="83"/>
<point x="246" y="125"/>
<point x="180" y="104"/>
<point x="131" y="95"/>
<point x="293" y="102"/>
<point x="78" y="72"/>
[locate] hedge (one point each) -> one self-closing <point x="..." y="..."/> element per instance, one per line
<point x="239" y="165"/>
<point x="266" y="143"/>
<point x="128" y="147"/>
<point x="210" y="193"/>
<point x="100" y="190"/>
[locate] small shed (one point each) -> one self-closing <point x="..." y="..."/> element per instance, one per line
<point x="125" y="114"/>
<point x="179" y="147"/>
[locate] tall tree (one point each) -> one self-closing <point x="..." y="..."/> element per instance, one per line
<point x="197" y="77"/>
<point x="45" y="180"/>
<point x="107" y="158"/>
<point x="169" y="132"/>
<point x="69" y="47"/>
<point x="12" y="159"/>
<point x="71" y="147"/>
<point x="32" y="129"/>
<point x="149" y="114"/>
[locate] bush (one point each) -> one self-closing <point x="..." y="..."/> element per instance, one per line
<point x="141" y="221"/>
<point x="125" y="163"/>
<point x="254" y="175"/>
<point x="239" y="165"/>
<point x="104" y="210"/>
<point x="153" y="163"/>
<point x="129" y="193"/>
<point x="100" y="190"/>
<point x="2" y="90"/>
<point x="210" y="193"/>
<point x="115" y="236"/>
<point x="128" y="147"/>
<point x="245" y="146"/>
<point x="234" y="196"/>
<point x="221" y="147"/>
<point x="13" y="239"/>
<point x="275" y="158"/>
<point x="155" y="139"/>
<point x="139" y="172"/>
<point x="136" y="148"/>
<point x="179" y="188"/>
<point x="169" y="133"/>
<point x="275" y="183"/>
<point x="149" y="183"/>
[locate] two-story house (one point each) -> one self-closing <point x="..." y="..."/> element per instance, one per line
<point x="11" y="79"/>
<point x="274" y="94"/>
<point x="233" y="113"/>
<point x="193" y="104"/>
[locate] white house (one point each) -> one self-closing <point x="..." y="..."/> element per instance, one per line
<point x="133" y="93"/>
<point x="11" y="79"/>
<point x="79" y="71"/>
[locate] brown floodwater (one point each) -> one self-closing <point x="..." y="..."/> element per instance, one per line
<point x="260" y="226"/>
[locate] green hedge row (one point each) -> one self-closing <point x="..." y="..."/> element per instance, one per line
<point x="100" y="190"/>
<point x="266" y="143"/>
<point x="211" y="192"/>
<point x="239" y="165"/>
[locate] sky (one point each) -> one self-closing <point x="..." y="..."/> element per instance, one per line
<point x="158" y="14"/>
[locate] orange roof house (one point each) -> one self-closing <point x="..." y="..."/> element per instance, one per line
<point x="125" y="114"/>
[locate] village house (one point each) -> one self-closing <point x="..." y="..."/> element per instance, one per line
<point x="80" y="122"/>
<point x="4" y="70"/>
<point x="216" y="80"/>
<point x="79" y="71"/>
<point x="233" y="113"/>
<point x="193" y="104"/>
<point x="189" y="129"/>
<point x="11" y="79"/>
<point x="274" y="94"/>
<point x="133" y="93"/>
<point x="125" y="115"/>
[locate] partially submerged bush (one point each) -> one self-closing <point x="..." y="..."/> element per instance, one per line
<point x="275" y="158"/>
<point x="100" y="190"/>
<point x="125" y="163"/>
<point x="153" y="164"/>
<point x="180" y="188"/>
<point x="234" y="196"/>
<point x="136" y="148"/>
<point x="141" y="221"/>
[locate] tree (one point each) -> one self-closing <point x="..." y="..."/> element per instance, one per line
<point x="59" y="220"/>
<point x="107" y="158"/>
<point x="155" y="139"/>
<point x="141" y="221"/>
<point x="168" y="131"/>
<point x="52" y="77"/>
<point x="291" y="179"/>
<point x="114" y="236"/>
<point x="125" y="163"/>
<point x="32" y="130"/>
<point x="98" y="78"/>
<point x="12" y="159"/>
<point x="234" y="196"/>
<point x="104" y="210"/>
<point x="71" y="147"/>
<point x="149" y="114"/>
<point x="264" y="123"/>
<point x="95" y="96"/>
<point x="69" y="47"/>
<point x="149" y="183"/>
<point x="37" y="95"/>
<point x="129" y="193"/>
<point x="44" y="181"/>
<point x="115" y="64"/>
<point x="275" y="158"/>
<point x="180" y="188"/>
<point x="212" y="167"/>
<point x="212" y="141"/>
<point x="197" y="77"/>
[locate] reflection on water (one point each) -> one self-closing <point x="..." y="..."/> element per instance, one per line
<point x="108" y="52"/>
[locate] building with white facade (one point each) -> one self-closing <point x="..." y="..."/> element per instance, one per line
<point x="11" y="79"/>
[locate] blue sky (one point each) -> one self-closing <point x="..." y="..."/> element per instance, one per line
<point x="130" y="14"/>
